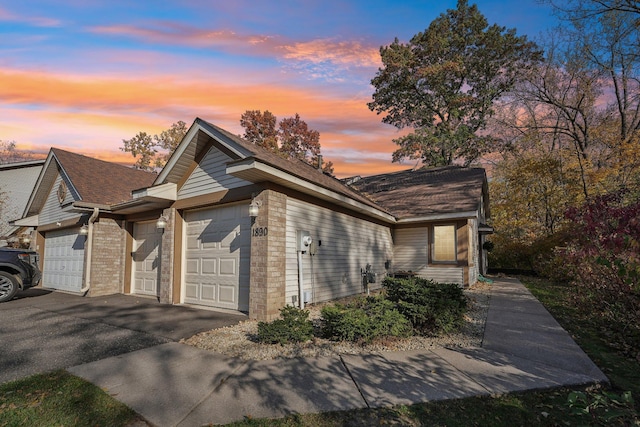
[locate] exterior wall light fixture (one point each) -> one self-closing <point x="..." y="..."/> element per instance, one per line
<point x="84" y="230"/>
<point x="161" y="223"/>
<point x="254" y="208"/>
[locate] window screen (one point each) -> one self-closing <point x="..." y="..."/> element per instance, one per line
<point x="444" y="243"/>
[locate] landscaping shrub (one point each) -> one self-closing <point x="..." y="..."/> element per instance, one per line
<point x="293" y="326"/>
<point x="364" y="319"/>
<point x="430" y="307"/>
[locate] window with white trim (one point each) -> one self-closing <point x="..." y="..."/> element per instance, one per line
<point x="445" y="248"/>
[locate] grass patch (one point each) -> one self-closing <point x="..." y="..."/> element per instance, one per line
<point x="60" y="399"/>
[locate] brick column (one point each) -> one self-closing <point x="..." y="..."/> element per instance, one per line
<point x="268" y="255"/>
<point x="107" y="257"/>
<point x="167" y="257"/>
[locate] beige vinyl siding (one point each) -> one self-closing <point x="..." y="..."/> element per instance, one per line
<point x="446" y="274"/>
<point x="410" y="254"/>
<point x="347" y="245"/>
<point x="410" y="250"/>
<point x="15" y="188"/>
<point x="210" y="176"/>
<point x="52" y="211"/>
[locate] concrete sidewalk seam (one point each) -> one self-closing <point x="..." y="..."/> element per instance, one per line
<point x="354" y="381"/>
<point x="216" y="388"/>
<point x="463" y="373"/>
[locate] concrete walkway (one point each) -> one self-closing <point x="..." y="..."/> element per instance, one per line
<point x="177" y="385"/>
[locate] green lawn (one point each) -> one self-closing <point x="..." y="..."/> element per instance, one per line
<point x="60" y="399"/>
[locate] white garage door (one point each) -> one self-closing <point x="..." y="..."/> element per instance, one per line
<point x="146" y="258"/>
<point x="63" y="260"/>
<point x="217" y="257"/>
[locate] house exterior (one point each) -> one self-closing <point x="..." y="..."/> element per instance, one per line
<point x="17" y="180"/>
<point x="440" y="225"/>
<point x="229" y="225"/>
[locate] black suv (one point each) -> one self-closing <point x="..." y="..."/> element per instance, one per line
<point x="18" y="271"/>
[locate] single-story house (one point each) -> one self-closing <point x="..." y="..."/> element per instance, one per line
<point x="230" y="225"/>
<point x="17" y="180"/>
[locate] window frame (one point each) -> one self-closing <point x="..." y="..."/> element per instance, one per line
<point x="432" y="251"/>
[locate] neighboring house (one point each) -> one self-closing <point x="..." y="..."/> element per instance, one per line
<point x="230" y="225"/>
<point x="73" y="191"/>
<point x="16" y="184"/>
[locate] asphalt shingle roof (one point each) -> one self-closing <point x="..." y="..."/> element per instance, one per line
<point x="101" y="182"/>
<point x="425" y="191"/>
<point x="298" y="168"/>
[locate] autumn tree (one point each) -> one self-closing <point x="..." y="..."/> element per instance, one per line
<point x="292" y="138"/>
<point x="443" y="84"/>
<point x="10" y="153"/>
<point x="297" y="140"/>
<point x="260" y="128"/>
<point x="153" y="151"/>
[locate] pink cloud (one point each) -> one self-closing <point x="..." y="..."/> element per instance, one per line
<point x="37" y="21"/>
<point x="343" y="54"/>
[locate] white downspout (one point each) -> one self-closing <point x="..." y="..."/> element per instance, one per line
<point x="87" y="271"/>
<point x="300" y="281"/>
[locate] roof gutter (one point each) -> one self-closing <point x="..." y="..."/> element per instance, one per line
<point x="439" y="217"/>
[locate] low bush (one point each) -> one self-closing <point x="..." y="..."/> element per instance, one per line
<point x="364" y="319"/>
<point x="293" y="326"/>
<point x="430" y="307"/>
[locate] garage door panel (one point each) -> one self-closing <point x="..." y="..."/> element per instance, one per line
<point x="192" y="266"/>
<point x="228" y="267"/>
<point x="191" y="291"/>
<point x="209" y="266"/>
<point x="227" y="294"/>
<point x="208" y="292"/>
<point x="223" y="243"/>
<point x="63" y="260"/>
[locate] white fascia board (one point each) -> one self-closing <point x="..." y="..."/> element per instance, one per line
<point x="168" y="191"/>
<point x="30" y="221"/>
<point x="222" y="139"/>
<point x="276" y="175"/>
<point x="439" y="217"/>
<point x="178" y="152"/>
<point x="81" y="206"/>
<point x="65" y="175"/>
<point x="187" y="140"/>
<point x="36" y="187"/>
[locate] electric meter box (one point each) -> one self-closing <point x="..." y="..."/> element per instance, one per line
<point x="303" y="240"/>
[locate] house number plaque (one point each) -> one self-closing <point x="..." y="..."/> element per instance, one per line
<point x="259" y="232"/>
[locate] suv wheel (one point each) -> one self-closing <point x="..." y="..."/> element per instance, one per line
<point x="8" y="286"/>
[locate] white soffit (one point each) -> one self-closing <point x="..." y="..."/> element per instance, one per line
<point x="168" y="191"/>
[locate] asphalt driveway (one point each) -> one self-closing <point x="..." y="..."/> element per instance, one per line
<point x="42" y="331"/>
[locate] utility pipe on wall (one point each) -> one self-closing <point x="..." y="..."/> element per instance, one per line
<point x="87" y="270"/>
<point x="300" y="281"/>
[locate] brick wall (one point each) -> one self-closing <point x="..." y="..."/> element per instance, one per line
<point x="268" y="284"/>
<point x="107" y="257"/>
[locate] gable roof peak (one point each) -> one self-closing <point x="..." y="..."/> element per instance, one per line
<point x="99" y="181"/>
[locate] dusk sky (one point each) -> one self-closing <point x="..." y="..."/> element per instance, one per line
<point x="82" y="75"/>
